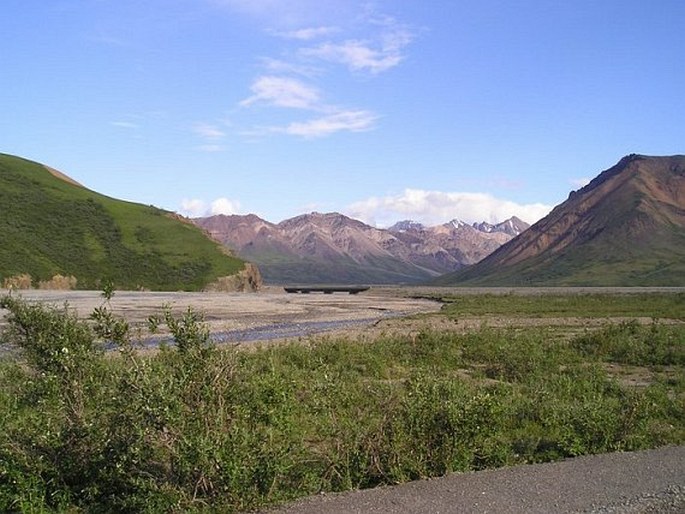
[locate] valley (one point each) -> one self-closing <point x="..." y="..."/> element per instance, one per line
<point x="266" y="315"/>
<point x="273" y="315"/>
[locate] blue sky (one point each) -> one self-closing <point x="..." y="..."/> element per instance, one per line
<point x="383" y="110"/>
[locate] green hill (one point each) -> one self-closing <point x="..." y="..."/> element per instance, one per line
<point x="52" y="226"/>
<point x="625" y="228"/>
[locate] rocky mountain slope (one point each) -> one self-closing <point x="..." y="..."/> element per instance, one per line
<point x="625" y="228"/>
<point x="56" y="233"/>
<point x="333" y="248"/>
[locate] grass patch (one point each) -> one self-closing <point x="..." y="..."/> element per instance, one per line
<point x="584" y="305"/>
<point x="198" y="428"/>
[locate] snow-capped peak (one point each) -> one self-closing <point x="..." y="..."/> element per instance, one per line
<point x="457" y="223"/>
<point x="405" y="225"/>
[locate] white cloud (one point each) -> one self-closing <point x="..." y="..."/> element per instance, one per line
<point x="308" y="33"/>
<point x="357" y="55"/>
<point x="283" y="92"/>
<point x="284" y="67"/>
<point x="318" y="38"/>
<point x="374" y="54"/>
<point x="224" y="206"/>
<point x="436" y="207"/>
<point x="193" y="208"/>
<point x="196" y="208"/>
<point x="351" y="121"/>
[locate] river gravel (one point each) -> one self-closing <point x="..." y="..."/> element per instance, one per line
<point x="245" y="317"/>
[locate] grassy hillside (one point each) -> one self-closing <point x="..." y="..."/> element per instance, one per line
<point x="657" y="258"/>
<point x="49" y="226"/>
<point x="292" y="270"/>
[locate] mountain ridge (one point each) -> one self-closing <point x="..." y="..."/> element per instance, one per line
<point x="625" y="227"/>
<point x="334" y="248"/>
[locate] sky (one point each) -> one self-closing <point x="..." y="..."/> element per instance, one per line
<point x="382" y="110"/>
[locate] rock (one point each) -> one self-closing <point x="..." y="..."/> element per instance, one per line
<point x="249" y="279"/>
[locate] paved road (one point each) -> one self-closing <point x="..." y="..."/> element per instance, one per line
<point x="638" y="482"/>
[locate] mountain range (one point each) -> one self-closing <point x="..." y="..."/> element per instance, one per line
<point x="625" y="228"/>
<point x="333" y="248"/>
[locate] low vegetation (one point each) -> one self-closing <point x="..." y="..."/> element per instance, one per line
<point x="51" y="228"/>
<point x="196" y="427"/>
<point x="582" y="305"/>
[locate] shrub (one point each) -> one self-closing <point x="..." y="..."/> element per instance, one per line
<point x="58" y="282"/>
<point x="632" y="343"/>
<point x="22" y="281"/>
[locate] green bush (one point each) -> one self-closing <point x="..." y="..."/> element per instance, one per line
<point x="632" y="343"/>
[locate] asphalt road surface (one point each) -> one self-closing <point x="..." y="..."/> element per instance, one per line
<point x="634" y="482"/>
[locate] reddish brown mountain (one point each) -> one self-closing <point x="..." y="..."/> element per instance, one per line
<point x="332" y="248"/>
<point x="626" y="227"/>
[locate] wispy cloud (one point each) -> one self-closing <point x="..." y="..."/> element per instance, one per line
<point x="208" y="131"/>
<point x="294" y="94"/>
<point x="307" y="34"/>
<point x="435" y="207"/>
<point x="356" y="55"/>
<point x="350" y="121"/>
<point x="212" y="137"/>
<point x="376" y="55"/>
<point x="321" y="38"/>
<point x="283" y="92"/>
<point x="281" y="67"/>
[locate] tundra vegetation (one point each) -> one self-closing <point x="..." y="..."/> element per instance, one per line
<point x="59" y="235"/>
<point x="90" y="423"/>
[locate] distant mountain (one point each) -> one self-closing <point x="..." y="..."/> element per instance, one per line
<point x="625" y="228"/>
<point x="333" y="248"/>
<point x="405" y="225"/>
<point x="53" y="231"/>
<point x="513" y="226"/>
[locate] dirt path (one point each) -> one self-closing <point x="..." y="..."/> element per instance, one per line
<point x="637" y="482"/>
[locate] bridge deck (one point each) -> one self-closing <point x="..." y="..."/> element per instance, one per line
<point x="326" y="289"/>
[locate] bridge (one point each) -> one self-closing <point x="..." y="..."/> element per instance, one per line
<point x="326" y="289"/>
